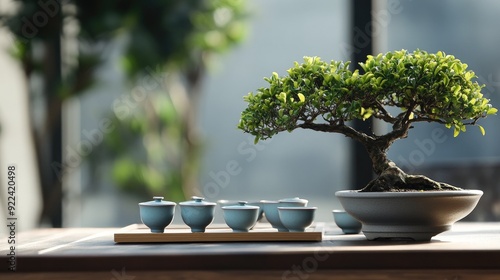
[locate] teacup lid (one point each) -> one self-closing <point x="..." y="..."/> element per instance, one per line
<point x="241" y="205"/>
<point x="157" y="201"/>
<point x="197" y="201"/>
<point x="294" y="199"/>
<point x="225" y="202"/>
<point x="265" y="201"/>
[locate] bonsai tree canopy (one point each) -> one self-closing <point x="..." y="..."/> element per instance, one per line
<point x="418" y="87"/>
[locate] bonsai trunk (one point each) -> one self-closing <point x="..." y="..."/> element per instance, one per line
<point x="392" y="178"/>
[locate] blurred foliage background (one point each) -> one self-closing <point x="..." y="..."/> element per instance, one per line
<point x="156" y="148"/>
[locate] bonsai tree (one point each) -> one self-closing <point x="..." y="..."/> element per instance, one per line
<point x="399" y="88"/>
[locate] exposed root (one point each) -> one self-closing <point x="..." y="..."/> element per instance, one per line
<point x="394" y="179"/>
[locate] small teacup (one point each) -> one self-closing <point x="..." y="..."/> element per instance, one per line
<point x="157" y="214"/>
<point x="293" y="202"/>
<point x="271" y="210"/>
<point x="197" y="214"/>
<point x="241" y="217"/>
<point x="297" y="219"/>
<point x="225" y="202"/>
<point x="346" y="222"/>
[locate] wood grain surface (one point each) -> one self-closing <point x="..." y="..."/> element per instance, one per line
<point x="141" y="234"/>
<point x="468" y="249"/>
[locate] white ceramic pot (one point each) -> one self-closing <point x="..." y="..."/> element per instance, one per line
<point x="408" y="215"/>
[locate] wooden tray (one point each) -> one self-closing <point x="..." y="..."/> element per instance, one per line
<point x="138" y="233"/>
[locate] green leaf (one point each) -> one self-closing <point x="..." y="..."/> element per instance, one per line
<point x="367" y="114"/>
<point x="483" y="132"/>
<point x="469" y="75"/>
<point x="282" y="97"/>
<point x="492" y="111"/>
<point x="301" y="97"/>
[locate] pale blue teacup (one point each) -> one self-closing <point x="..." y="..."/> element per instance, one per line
<point x="197" y="214"/>
<point x="297" y="219"/>
<point x="271" y="210"/>
<point x="157" y="214"/>
<point x="346" y="222"/>
<point x="241" y="217"/>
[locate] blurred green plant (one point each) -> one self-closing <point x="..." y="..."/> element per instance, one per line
<point x="162" y="130"/>
<point x="177" y="36"/>
<point x="148" y="150"/>
<point x="423" y="87"/>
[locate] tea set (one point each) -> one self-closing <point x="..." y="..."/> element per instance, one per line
<point x="285" y="215"/>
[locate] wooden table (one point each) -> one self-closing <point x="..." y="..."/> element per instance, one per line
<point x="468" y="251"/>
